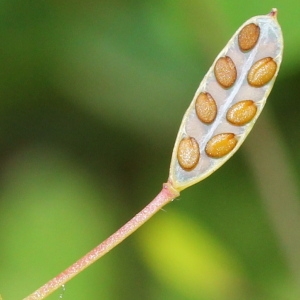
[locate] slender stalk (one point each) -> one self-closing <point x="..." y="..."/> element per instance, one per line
<point x="166" y="195"/>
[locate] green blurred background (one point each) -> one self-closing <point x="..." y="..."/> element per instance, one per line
<point x="92" y="95"/>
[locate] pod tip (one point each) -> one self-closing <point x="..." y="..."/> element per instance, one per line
<point x="273" y="13"/>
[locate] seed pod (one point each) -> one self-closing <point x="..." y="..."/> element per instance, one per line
<point x="214" y="127"/>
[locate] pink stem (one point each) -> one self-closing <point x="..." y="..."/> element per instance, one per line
<point x="166" y="195"/>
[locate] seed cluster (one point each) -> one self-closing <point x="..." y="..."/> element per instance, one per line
<point x="239" y="114"/>
<point x="228" y="100"/>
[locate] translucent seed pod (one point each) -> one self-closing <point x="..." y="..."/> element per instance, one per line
<point x="245" y="69"/>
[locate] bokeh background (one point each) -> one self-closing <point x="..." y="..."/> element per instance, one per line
<point x="92" y="95"/>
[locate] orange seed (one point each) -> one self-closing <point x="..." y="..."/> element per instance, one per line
<point x="241" y="113"/>
<point x="225" y="71"/>
<point x="188" y="153"/>
<point x="248" y="37"/>
<point x="206" y="108"/>
<point x="262" y="72"/>
<point x="220" y="145"/>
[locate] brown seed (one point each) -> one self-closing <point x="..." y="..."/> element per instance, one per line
<point x="225" y="71"/>
<point x="241" y="112"/>
<point x="262" y="72"/>
<point x="220" y="145"/>
<point x="206" y="108"/>
<point x="248" y="37"/>
<point x="188" y="153"/>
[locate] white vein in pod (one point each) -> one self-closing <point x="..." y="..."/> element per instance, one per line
<point x="228" y="101"/>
